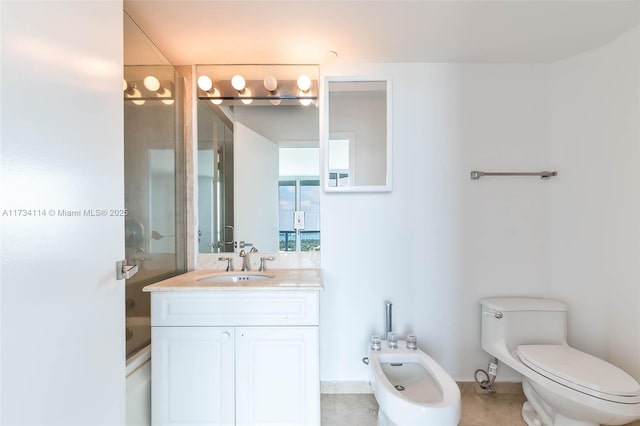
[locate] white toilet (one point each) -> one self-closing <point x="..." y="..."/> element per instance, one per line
<point x="563" y="386"/>
<point x="411" y="388"/>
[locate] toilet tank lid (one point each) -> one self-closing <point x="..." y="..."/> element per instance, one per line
<point x="507" y="304"/>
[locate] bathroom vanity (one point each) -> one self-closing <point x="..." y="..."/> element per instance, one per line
<point x="236" y="348"/>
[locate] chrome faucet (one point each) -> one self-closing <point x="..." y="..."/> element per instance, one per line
<point x="246" y="266"/>
<point x="263" y="266"/>
<point x="229" y="261"/>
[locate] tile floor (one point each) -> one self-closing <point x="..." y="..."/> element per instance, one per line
<point x="478" y="407"/>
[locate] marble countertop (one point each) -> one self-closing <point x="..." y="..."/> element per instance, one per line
<point x="279" y="279"/>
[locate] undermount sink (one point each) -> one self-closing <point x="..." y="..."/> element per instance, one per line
<point x="235" y="278"/>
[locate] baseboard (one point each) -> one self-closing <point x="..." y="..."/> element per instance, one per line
<point x="342" y="387"/>
<point x="513" y="388"/>
<point x="351" y="387"/>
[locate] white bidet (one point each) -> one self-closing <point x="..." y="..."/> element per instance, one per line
<point x="411" y="388"/>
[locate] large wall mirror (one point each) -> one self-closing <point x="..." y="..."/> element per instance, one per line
<point x="357" y="134"/>
<point x="258" y="159"/>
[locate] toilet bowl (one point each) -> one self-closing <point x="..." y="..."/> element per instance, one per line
<point x="411" y="388"/>
<point x="563" y="386"/>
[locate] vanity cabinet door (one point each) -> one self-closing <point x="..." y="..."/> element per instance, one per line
<point x="192" y="370"/>
<point x="277" y="377"/>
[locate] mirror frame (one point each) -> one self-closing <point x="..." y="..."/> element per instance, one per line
<point x="325" y="134"/>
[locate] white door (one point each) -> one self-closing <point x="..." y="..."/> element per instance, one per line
<point x="277" y="378"/>
<point x="192" y="369"/>
<point x="62" y="309"/>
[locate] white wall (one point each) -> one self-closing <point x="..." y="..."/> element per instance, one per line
<point x="595" y="200"/>
<point x="439" y="242"/>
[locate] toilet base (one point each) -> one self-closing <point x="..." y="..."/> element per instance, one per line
<point x="536" y="412"/>
<point x="383" y="420"/>
<point x="531" y="418"/>
<point x="529" y="415"/>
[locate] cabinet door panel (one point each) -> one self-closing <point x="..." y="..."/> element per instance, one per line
<point x="193" y="376"/>
<point x="277" y="378"/>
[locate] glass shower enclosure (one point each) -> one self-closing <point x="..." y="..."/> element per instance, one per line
<point x="155" y="225"/>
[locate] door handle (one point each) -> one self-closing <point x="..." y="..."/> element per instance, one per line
<point x="124" y="271"/>
<point x="224" y="237"/>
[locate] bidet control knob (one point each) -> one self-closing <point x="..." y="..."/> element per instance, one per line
<point x="376" y="344"/>
<point x="412" y="342"/>
<point x="392" y="340"/>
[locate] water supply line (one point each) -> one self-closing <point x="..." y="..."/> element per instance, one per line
<point x="489" y="376"/>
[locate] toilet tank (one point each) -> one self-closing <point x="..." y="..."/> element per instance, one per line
<point x="514" y="321"/>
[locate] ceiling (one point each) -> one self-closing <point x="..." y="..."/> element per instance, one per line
<point x="306" y="31"/>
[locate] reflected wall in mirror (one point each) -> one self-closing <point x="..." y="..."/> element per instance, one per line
<point x="259" y="173"/>
<point x="357" y="134"/>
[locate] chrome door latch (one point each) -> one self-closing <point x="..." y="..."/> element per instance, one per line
<point x="124" y="271"/>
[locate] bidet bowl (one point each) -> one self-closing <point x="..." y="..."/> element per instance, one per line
<point x="412" y="388"/>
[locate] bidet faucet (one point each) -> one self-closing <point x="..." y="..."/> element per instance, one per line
<point x="388" y="318"/>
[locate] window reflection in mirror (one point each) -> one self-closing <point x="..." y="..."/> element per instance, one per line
<point x="299" y="193"/>
<point x="263" y="187"/>
<point x="358" y="129"/>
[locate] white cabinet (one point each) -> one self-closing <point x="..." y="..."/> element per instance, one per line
<point x="235" y="358"/>
<point x="277" y="379"/>
<point x="192" y="376"/>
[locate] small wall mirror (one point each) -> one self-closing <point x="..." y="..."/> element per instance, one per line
<point x="357" y="134"/>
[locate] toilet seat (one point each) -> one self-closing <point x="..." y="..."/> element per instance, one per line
<point x="581" y="372"/>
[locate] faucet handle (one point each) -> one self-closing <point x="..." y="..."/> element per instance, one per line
<point x="229" y="263"/>
<point x="263" y="267"/>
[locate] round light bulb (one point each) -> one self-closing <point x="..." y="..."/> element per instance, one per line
<point x="270" y="83"/>
<point x="135" y="95"/>
<point x="205" y="83"/>
<point x="238" y="82"/>
<point x="151" y="83"/>
<point x="246" y="94"/>
<point x="216" y="92"/>
<point x="128" y="88"/>
<point x="304" y="102"/>
<point x="168" y="101"/>
<point x="304" y="82"/>
<point x="275" y="101"/>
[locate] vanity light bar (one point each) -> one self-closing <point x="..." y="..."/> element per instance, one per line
<point x="255" y="89"/>
<point x="137" y="90"/>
